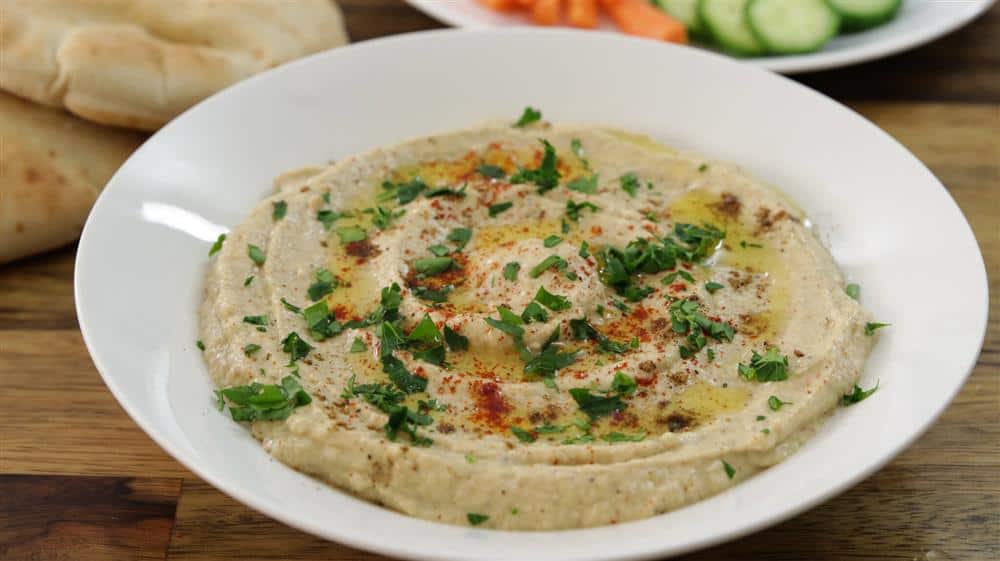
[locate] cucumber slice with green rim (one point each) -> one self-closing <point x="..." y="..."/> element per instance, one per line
<point x="792" y="26"/>
<point x="864" y="14"/>
<point x="726" y="21"/>
<point x="686" y="11"/>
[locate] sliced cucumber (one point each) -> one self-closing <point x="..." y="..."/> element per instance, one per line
<point x="686" y="11"/>
<point x="727" y="23"/>
<point x="863" y="14"/>
<point x="792" y="26"/>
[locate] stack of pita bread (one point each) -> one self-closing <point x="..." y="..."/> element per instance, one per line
<point x="76" y="75"/>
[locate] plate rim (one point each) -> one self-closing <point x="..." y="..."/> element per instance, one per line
<point x="787" y="64"/>
<point x="327" y="532"/>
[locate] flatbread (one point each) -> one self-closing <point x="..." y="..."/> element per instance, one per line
<point x="52" y="166"/>
<point x="139" y="63"/>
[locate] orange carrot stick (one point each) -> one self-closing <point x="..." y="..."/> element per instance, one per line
<point x="546" y="12"/>
<point x="582" y="13"/>
<point x="639" y="17"/>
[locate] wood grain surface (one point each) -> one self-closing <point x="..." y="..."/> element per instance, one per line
<point x="79" y="480"/>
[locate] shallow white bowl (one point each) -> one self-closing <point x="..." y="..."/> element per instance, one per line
<point x="888" y="221"/>
<point x="918" y="22"/>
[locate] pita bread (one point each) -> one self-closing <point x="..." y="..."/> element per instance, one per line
<point x="52" y="166"/>
<point x="139" y="63"/>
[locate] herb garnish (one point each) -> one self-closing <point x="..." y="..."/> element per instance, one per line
<point x="534" y="313"/>
<point x="573" y="209"/>
<point x="552" y="261"/>
<point x="597" y="405"/>
<point x="279" y="210"/>
<point x="775" y="403"/>
<point x="382" y="217"/>
<point x="685" y="317"/>
<point x="629" y="183"/>
<point x="295" y="347"/>
<point x="447" y="192"/>
<point x="490" y="171"/>
<point x="613" y="437"/>
<point x="583" y="330"/>
<point x="248" y="280"/>
<point x="433" y="266"/>
<point x="730" y="471"/>
<point x="530" y="115"/>
<point x="584" y="184"/>
<point x="256" y="254"/>
<point x="217" y="245"/>
<point x="351" y="234"/>
<point x="857" y="395"/>
<point x="853" y="290"/>
<point x="769" y="367"/>
<point x="872" y="327"/>
<point x="327" y="217"/>
<point x="584" y="249"/>
<point x="551" y="301"/>
<point x="264" y="402"/>
<point x="358" y="345"/>
<point x="552" y="241"/>
<point x="387" y="399"/>
<point x="460" y="237"/>
<point x="476" y="519"/>
<point x="577" y="147"/>
<point x="325" y="283"/>
<point x="546" y="175"/>
<point x="623" y="384"/>
<point x="404" y="193"/>
<point x="455" y="340"/>
<point x="200" y="344"/>
<point x="713" y="286"/>
<point x="523" y="435"/>
<point x="499" y="208"/>
<point x="510" y="270"/>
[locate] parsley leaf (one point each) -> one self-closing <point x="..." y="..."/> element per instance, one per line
<point x="250" y="349"/>
<point x="730" y="470"/>
<point x="552" y="261"/>
<point x="573" y="209"/>
<point x="280" y="208"/>
<point x="546" y="175"/>
<point x="551" y="301"/>
<point x="534" y="313"/>
<point x="552" y="241"/>
<point x="490" y="171"/>
<point x="629" y="183"/>
<point x="404" y="193"/>
<point x="623" y="384"/>
<point x="476" y="519"/>
<point x="499" y="208"/>
<point x="769" y="367"/>
<point x="853" y="290"/>
<point x="200" y="344"/>
<point x="264" y="402"/>
<point x="857" y="395"/>
<point x="582" y="330"/>
<point x="447" y="192"/>
<point x="594" y="405"/>
<point x="460" y="236"/>
<point x="455" y="340"/>
<point x="295" y="347"/>
<point x="530" y="115"/>
<point x="217" y="246"/>
<point x="584" y="184"/>
<point x="713" y="286"/>
<point x="685" y="317"/>
<point x="775" y="403"/>
<point x="622" y="437"/>
<point x="350" y="234"/>
<point x="325" y="283"/>
<point x="577" y="147"/>
<point x="256" y="254"/>
<point x="432" y="266"/>
<point x="510" y="270"/>
<point x="358" y="346"/>
<point x="872" y="327"/>
<point x="523" y="435"/>
<point x="328" y="217"/>
<point x="382" y="217"/>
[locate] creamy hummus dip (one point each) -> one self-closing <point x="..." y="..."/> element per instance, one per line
<point x="531" y="328"/>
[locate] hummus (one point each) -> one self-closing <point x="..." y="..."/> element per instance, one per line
<point x="530" y="328"/>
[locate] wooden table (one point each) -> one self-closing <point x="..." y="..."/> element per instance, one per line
<point x="79" y="480"/>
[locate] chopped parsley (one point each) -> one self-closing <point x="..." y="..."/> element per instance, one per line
<point x="455" y="340"/>
<point x="530" y="115"/>
<point x="325" y="283"/>
<point x="256" y="320"/>
<point x="872" y="327"/>
<point x="447" y="192"/>
<point x="769" y="367"/>
<point x="510" y="270"/>
<point x="490" y="171"/>
<point x="217" y="246"/>
<point x="552" y="261"/>
<point x="358" y="346"/>
<point x="584" y="184"/>
<point x="436" y="296"/>
<point x="279" y="209"/>
<point x="775" y="403"/>
<point x="857" y="395"/>
<point x="382" y="217"/>
<point x="327" y="217"/>
<point x="552" y="241"/>
<point x="573" y="209"/>
<point x="200" y="344"/>
<point x="583" y="330"/>
<point x="295" y="347"/>
<point x="432" y="266"/>
<point x="256" y="254"/>
<point x="551" y="301"/>
<point x="351" y="234"/>
<point x="713" y="286"/>
<point x="546" y="176"/>
<point x="264" y="402"/>
<point x="388" y="399"/>
<point x="623" y="384"/>
<point x="596" y="405"/>
<point x="584" y="249"/>
<point x="290" y="307"/>
<point x="404" y="193"/>
<point x="730" y="471"/>
<point x="744" y="244"/>
<point x="523" y="435"/>
<point x="499" y="208"/>
<point x="577" y="147"/>
<point x="250" y="349"/>
<point x="613" y="437"/>
<point x="629" y="183"/>
<point x="702" y="167"/>
<point x="460" y="237"/>
<point x="476" y="519"/>
<point x="248" y="280"/>
<point x="534" y="313"/>
<point x="685" y="317"/>
<point x="853" y="290"/>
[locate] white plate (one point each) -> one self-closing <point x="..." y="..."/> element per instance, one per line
<point x="918" y="22"/>
<point x="890" y="224"/>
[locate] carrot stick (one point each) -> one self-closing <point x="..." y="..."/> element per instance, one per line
<point x="501" y="5"/>
<point x="582" y="13"/>
<point x="546" y="12"/>
<point x="639" y="17"/>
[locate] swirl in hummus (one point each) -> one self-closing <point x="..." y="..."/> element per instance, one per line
<point x="532" y="328"/>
